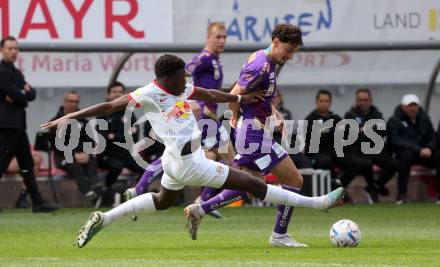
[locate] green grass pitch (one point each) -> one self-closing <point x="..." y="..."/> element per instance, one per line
<point x="406" y="235"/>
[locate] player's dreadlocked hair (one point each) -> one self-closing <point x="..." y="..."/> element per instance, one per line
<point x="288" y="33"/>
<point x="168" y="64"/>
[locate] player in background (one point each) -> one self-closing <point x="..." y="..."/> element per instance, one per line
<point x="165" y="102"/>
<point x="206" y="70"/>
<point x="259" y="73"/>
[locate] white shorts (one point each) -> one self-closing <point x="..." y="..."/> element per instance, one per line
<point x="194" y="169"/>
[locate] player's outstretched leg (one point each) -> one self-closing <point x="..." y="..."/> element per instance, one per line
<point x="228" y="196"/>
<point x="149" y="202"/>
<point x="153" y="172"/>
<point x="242" y="181"/>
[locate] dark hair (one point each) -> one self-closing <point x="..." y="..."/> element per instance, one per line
<point x="324" y="92"/>
<point x="7" y="38"/>
<point x="115" y="84"/>
<point x="288" y="33"/>
<point x="364" y="90"/>
<point x="167" y="65"/>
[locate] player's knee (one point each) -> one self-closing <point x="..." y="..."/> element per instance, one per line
<point x="298" y="179"/>
<point x="261" y="191"/>
<point x="160" y="202"/>
<point x="162" y="205"/>
<point x="299" y="182"/>
<point x="292" y="178"/>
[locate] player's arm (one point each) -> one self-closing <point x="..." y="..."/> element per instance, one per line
<point x="8" y="88"/>
<point x="249" y="81"/>
<point x="102" y="109"/>
<point x="235" y="107"/>
<point x="279" y="118"/>
<point x="195" y="107"/>
<point x="216" y="96"/>
<point x="29" y="92"/>
<point x="277" y="114"/>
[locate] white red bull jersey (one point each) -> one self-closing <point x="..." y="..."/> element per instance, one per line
<point x="170" y="116"/>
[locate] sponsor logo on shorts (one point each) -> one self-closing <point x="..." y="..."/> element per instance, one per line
<point x="278" y="149"/>
<point x="263" y="162"/>
<point x="219" y="169"/>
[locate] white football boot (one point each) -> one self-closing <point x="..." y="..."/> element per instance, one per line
<point x="90" y="228"/>
<point x="285" y="240"/>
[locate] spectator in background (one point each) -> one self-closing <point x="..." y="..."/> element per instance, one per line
<point x="206" y="70"/>
<point x="115" y="158"/>
<point x="362" y="111"/>
<point x="326" y="157"/>
<point x="83" y="167"/>
<point x="15" y="93"/>
<point x="300" y="159"/>
<point x="413" y="140"/>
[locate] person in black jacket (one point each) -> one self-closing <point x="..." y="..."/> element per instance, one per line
<point x="363" y="111"/>
<point x="115" y="158"/>
<point x="84" y="167"/>
<point x="413" y="140"/>
<point x="15" y="93"/>
<point x="326" y="157"/>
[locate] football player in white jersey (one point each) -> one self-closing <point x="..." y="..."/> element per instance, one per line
<point x="165" y="103"/>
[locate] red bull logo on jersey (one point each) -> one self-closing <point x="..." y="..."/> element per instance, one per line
<point x="181" y="110"/>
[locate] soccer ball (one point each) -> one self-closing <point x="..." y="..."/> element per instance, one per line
<point x="345" y="233"/>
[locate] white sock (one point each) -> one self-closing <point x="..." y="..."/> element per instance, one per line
<point x="138" y="204"/>
<point x="277" y="195"/>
